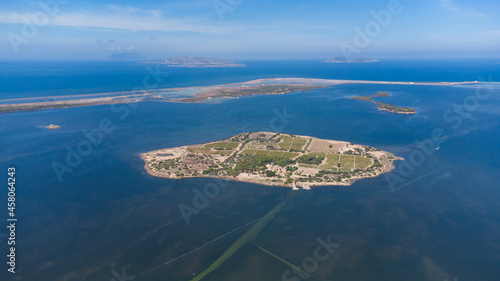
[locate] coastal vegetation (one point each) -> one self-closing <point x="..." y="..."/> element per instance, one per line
<point x="232" y="92"/>
<point x="385" y="106"/>
<point x="131" y="97"/>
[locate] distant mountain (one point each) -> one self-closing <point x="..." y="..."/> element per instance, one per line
<point x="185" y="61"/>
<point x="126" y="57"/>
<point x="345" y="59"/>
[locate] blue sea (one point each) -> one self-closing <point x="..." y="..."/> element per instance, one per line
<point x="102" y="217"/>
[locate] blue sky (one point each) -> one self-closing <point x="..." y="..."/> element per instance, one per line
<point x="249" y="29"/>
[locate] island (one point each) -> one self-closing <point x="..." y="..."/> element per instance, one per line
<point x="53" y="127"/>
<point x="345" y="59"/>
<point x="216" y="93"/>
<point x="232" y="92"/>
<point x="67" y="103"/>
<point x="185" y="61"/>
<point x="199" y="95"/>
<point x="385" y="106"/>
<point x="272" y="159"/>
<point x="133" y="57"/>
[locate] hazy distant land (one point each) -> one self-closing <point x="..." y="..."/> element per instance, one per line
<point x="126" y="57"/>
<point x="345" y="59"/>
<point x="185" y="61"/>
<point x="270" y="86"/>
<point x="272" y="159"/>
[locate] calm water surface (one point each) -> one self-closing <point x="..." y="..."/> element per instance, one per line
<point x="435" y="218"/>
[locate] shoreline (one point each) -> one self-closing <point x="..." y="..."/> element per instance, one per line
<point x="195" y="65"/>
<point x="393" y="111"/>
<point x="185" y="154"/>
<point x="385" y="106"/>
<point x="172" y="94"/>
<point x="289" y="79"/>
<point x="305" y="186"/>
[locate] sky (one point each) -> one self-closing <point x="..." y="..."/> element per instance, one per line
<point x="249" y="29"/>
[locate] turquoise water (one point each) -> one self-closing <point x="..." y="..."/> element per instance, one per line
<point x="434" y="218"/>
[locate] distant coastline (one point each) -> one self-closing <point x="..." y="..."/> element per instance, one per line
<point x="345" y="59"/>
<point x="185" y="61"/>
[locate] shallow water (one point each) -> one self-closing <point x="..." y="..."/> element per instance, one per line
<point x="434" y="218"/>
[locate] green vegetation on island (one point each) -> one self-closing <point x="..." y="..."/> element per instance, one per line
<point x="385" y="106"/>
<point x="272" y="159"/>
<point x="56" y="104"/>
<point x="139" y="96"/>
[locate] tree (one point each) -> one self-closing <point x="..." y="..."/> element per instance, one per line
<point x="270" y="173"/>
<point x="234" y="173"/>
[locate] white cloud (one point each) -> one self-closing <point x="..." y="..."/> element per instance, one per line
<point x="121" y="18"/>
<point x="114" y="18"/>
<point x="466" y="12"/>
<point x="119" y="48"/>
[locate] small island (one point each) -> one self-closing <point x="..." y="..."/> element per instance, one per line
<point x="385" y="106"/>
<point x="345" y="59"/>
<point x="272" y="159"/>
<point x="185" y="61"/>
<point x="126" y="57"/>
<point x="53" y="127"/>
